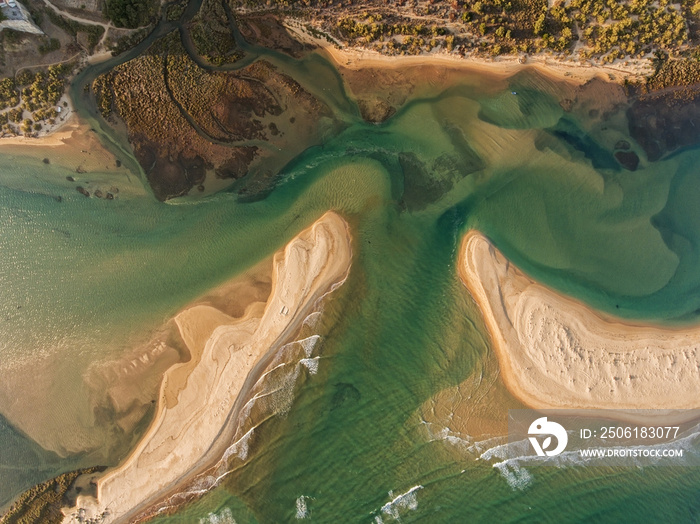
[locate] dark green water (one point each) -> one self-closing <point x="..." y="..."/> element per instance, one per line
<point x="82" y="279"/>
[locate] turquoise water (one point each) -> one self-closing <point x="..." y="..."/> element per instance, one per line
<point x="84" y="280"/>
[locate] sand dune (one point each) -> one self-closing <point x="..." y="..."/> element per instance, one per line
<point x="555" y="352"/>
<point x="197" y="397"/>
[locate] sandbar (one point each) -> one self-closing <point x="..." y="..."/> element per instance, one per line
<point x="198" y="397"/>
<point x="555" y="352"/>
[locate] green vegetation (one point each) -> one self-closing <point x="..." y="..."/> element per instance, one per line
<point x="102" y="87"/>
<point x="214" y="47"/>
<point x="609" y="29"/>
<point x="46" y="89"/>
<point x="127" y="42"/>
<point x="675" y="73"/>
<point x="633" y="28"/>
<point x="52" y="45"/>
<point x="682" y="74"/>
<point x="604" y="30"/>
<point x="40" y="93"/>
<point x="9" y="96"/>
<point x="10" y="36"/>
<point x="211" y="34"/>
<point x="42" y="504"/>
<point x="175" y="11"/>
<point x="15" y="115"/>
<point x="416" y="36"/>
<point x="131" y="13"/>
<point x="93" y="32"/>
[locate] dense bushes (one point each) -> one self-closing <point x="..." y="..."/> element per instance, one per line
<point x="131" y="13"/>
<point x="43" y="502"/>
<point x="93" y="32"/>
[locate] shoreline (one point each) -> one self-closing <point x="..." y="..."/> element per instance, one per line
<point x="357" y="58"/>
<point x="75" y="146"/>
<point x="501" y="67"/>
<point x="551" y="346"/>
<point x="49" y="138"/>
<point x="198" y="398"/>
<point x="66" y="117"/>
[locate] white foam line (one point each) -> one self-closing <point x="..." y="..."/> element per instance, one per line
<point x="270" y="371"/>
<point x="406" y="500"/>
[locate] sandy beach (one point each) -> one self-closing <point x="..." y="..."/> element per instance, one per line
<point x="555" y="352"/>
<point x="571" y="70"/>
<point x="73" y="145"/>
<point x="197" y="397"/>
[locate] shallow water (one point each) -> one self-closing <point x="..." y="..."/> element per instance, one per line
<point x="84" y="280"/>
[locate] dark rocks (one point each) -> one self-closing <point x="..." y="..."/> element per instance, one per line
<point x="46" y="161"/>
<point x="344" y="394"/>
<point x="109" y="196"/>
<point x="237" y="165"/>
<point x="82" y="191"/>
<point x="168" y="179"/>
<point x="119" y="163"/>
<point x="70" y="178"/>
<point x="662" y="123"/>
<point x="195" y="169"/>
<point x="98" y="193"/>
<point x="628" y="159"/>
<point x="624" y="145"/>
<point x="375" y="111"/>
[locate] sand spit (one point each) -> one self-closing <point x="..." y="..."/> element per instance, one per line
<point x="555" y="352"/>
<point x="197" y="397"/>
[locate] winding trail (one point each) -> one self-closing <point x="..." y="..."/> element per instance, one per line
<point x="86" y="21"/>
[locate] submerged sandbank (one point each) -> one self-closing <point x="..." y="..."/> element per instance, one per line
<point x="555" y="352"/>
<point x="198" y="397"/>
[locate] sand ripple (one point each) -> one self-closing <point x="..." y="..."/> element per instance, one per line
<point x="558" y="353"/>
<point x="197" y="398"/>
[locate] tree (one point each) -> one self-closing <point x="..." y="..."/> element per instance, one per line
<point x="539" y="24"/>
<point x="130" y="13"/>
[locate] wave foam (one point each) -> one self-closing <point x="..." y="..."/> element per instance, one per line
<point x="302" y="507"/>
<point x="223" y="517"/>
<point x="311" y="364"/>
<point x="239" y="448"/>
<point x="517" y="477"/>
<point x="405" y="502"/>
<point x="312" y="319"/>
<point x="309" y="343"/>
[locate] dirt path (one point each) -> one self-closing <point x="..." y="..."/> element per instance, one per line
<point x="32" y="66"/>
<point x="77" y="18"/>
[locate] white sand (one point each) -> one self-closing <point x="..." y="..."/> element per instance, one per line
<point x="555" y="352"/>
<point x="197" y="396"/>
